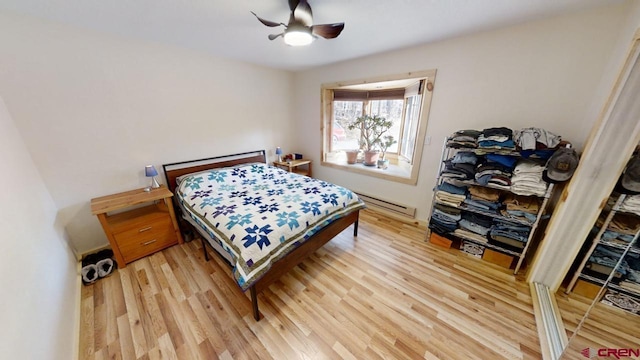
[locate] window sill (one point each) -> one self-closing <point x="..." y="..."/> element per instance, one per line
<point x="394" y="172"/>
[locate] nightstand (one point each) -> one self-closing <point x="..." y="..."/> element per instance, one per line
<point x="141" y="223"/>
<point x="294" y="166"/>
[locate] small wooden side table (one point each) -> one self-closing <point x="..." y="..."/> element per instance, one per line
<point x="294" y="166"/>
<point x="136" y="232"/>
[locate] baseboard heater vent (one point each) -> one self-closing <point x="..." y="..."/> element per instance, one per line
<point x="399" y="209"/>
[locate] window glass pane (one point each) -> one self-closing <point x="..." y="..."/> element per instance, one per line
<point x="391" y="110"/>
<point x="410" y="130"/>
<point x="344" y="113"/>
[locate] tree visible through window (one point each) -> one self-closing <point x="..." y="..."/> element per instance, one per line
<point x="403" y="101"/>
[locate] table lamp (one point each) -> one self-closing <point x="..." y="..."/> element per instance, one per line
<point x="279" y="153"/>
<point x="150" y="171"/>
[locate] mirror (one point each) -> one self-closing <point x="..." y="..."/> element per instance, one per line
<point x="595" y="328"/>
<point x="609" y="276"/>
<point x="611" y="325"/>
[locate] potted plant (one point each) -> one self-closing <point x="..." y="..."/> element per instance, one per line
<point x="371" y="130"/>
<point x="384" y="144"/>
<point x="352" y="156"/>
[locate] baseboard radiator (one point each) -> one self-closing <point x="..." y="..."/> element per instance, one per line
<point x="377" y="203"/>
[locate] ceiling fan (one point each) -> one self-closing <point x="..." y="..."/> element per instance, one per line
<point x="300" y="29"/>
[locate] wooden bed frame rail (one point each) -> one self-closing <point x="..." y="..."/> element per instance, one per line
<point x="293" y="258"/>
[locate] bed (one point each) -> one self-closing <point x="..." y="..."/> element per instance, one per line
<point x="262" y="220"/>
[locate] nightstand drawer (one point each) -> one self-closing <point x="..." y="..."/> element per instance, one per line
<point x="134" y="246"/>
<point x="141" y="219"/>
<point x="143" y="225"/>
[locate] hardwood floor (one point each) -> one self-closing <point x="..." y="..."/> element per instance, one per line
<point x="386" y="294"/>
<point x="605" y="327"/>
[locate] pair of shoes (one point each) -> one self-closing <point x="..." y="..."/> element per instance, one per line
<point x="89" y="269"/>
<point x="98" y="265"/>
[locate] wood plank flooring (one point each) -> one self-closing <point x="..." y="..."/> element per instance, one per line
<point x="387" y="294"/>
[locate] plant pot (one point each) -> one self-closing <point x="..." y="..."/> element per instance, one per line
<point x="383" y="163"/>
<point x="352" y="156"/>
<point x="371" y="157"/>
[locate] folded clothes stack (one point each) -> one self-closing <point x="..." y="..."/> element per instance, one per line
<point x="444" y="219"/>
<point x="527" y="179"/>
<point x="603" y="260"/>
<point x="460" y="171"/>
<point x="631" y="204"/>
<point x="622" y="227"/>
<point x="450" y="194"/>
<point x="464" y="139"/>
<point x="632" y="279"/>
<point x="496" y="170"/>
<point x="509" y="233"/>
<point x="524" y="208"/>
<point x="461" y="232"/>
<point x="496" y="139"/>
<point x="486" y="199"/>
<point x="476" y="223"/>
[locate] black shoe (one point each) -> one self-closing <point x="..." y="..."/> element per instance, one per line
<point x="105" y="267"/>
<point x="89" y="269"/>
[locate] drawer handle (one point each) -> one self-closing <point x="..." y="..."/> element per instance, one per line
<point x="149" y="242"/>
<point x="145" y="229"/>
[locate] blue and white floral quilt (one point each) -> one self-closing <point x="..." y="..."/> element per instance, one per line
<point x="260" y="213"/>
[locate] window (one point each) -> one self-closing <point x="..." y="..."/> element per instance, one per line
<point x="404" y="100"/>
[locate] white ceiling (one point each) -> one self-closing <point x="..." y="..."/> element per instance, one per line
<point x="226" y="27"/>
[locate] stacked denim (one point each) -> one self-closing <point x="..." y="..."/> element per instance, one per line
<point x="465" y="157"/>
<point x="604" y="259"/>
<point x="632" y="280"/>
<point x="444" y="219"/>
<point x="475" y="223"/>
<point x="509" y="233"/>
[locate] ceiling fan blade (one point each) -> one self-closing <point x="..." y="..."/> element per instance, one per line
<point x="267" y="22"/>
<point x="275" y="36"/>
<point x="293" y="4"/>
<point x="327" y="31"/>
<point x="303" y="14"/>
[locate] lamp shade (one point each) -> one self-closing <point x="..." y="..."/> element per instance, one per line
<point x="278" y="151"/>
<point x="150" y="171"/>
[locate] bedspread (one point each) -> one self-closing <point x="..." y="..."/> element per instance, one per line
<point x="260" y="213"/>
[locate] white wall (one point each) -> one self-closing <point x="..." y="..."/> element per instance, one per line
<point x="37" y="268"/>
<point x="541" y="74"/>
<point x="95" y="109"/>
<point x="557" y="251"/>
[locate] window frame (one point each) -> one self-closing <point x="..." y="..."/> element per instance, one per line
<point x="401" y="169"/>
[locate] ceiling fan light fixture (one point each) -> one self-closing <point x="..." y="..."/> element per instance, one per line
<point x="297" y="35"/>
<point x="300" y="30"/>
